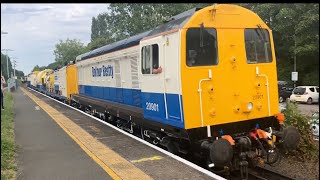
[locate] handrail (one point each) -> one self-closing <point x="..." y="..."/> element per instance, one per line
<point x="267" y="84"/>
<point x="200" y="93"/>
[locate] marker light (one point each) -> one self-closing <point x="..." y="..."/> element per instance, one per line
<point x="250" y="106"/>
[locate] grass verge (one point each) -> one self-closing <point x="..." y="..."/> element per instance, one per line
<point x="8" y="147"/>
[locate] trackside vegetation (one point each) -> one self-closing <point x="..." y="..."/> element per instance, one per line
<point x="308" y="148"/>
<point x="8" y="147"/>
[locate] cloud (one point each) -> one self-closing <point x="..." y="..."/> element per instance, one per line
<point x="11" y="10"/>
<point x="34" y="29"/>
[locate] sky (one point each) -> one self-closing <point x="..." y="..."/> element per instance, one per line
<point x="35" y="29"/>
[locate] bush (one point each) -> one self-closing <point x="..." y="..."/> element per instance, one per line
<point x="307" y="149"/>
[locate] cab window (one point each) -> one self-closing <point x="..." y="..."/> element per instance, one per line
<point x="201" y="46"/>
<point x="257" y="44"/>
<point x="149" y="58"/>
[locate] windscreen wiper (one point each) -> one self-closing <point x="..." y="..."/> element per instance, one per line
<point x="260" y="33"/>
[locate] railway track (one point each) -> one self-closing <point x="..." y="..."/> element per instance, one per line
<point x="257" y="173"/>
<point x="265" y="174"/>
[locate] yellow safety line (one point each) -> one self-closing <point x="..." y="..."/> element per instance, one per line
<point x="116" y="166"/>
<point x="147" y="159"/>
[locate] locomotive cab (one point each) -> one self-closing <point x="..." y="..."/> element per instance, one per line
<point x="218" y="82"/>
<point x="228" y="67"/>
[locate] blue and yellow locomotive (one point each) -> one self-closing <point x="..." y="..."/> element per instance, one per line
<point x="204" y="82"/>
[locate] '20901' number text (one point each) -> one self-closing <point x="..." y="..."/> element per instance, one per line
<point x="152" y="106"/>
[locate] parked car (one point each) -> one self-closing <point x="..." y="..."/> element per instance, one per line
<point x="306" y="94"/>
<point x="314" y="125"/>
<point x="284" y="93"/>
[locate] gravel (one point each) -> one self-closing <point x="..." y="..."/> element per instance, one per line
<point x="296" y="169"/>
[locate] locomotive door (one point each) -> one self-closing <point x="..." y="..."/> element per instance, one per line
<point x="172" y="79"/>
<point x="160" y="88"/>
<point x="152" y="80"/>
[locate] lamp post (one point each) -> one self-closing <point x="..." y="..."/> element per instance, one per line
<point x="14" y="66"/>
<point x="294" y="57"/>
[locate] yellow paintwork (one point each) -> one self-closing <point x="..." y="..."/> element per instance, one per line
<point x="72" y="80"/>
<point x="234" y="82"/>
<point x="41" y="75"/>
<point x="50" y="83"/>
<point x="35" y="72"/>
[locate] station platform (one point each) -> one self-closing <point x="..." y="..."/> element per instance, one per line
<point x="93" y="148"/>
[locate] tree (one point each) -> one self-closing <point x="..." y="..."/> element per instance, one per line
<point x="97" y="42"/>
<point x="4" y="66"/>
<point x="295" y="30"/>
<point x="53" y="65"/>
<point x="128" y="19"/>
<point x="296" y="33"/>
<point x="68" y="50"/>
<point x="19" y="74"/>
<point x="36" y="68"/>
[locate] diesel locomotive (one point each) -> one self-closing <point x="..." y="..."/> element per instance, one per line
<point x="203" y="84"/>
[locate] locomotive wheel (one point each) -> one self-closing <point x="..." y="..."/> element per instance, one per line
<point x="273" y="157"/>
<point x="172" y="147"/>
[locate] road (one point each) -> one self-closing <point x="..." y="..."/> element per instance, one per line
<point x="305" y="108"/>
<point x="308" y="109"/>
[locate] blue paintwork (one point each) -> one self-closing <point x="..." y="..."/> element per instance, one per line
<point x="159" y="115"/>
<point x="56" y="87"/>
<point x="134" y="97"/>
<point x="120" y="95"/>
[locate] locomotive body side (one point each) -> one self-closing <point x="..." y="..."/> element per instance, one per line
<point x="40" y="79"/>
<point x="30" y="79"/>
<point x="160" y="79"/>
<point x="71" y="80"/>
<point x="111" y="77"/>
<point x="60" y="84"/>
<point x="33" y="77"/>
<point x="50" y="82"/>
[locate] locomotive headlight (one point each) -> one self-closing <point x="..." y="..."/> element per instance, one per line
<point x="246" y="106"/>
<point x="250" y="106"/>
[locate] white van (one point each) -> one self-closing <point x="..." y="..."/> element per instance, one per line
<point x="307" y="94"/>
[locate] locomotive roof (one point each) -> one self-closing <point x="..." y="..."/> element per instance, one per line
<point x="172" y="23"/>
